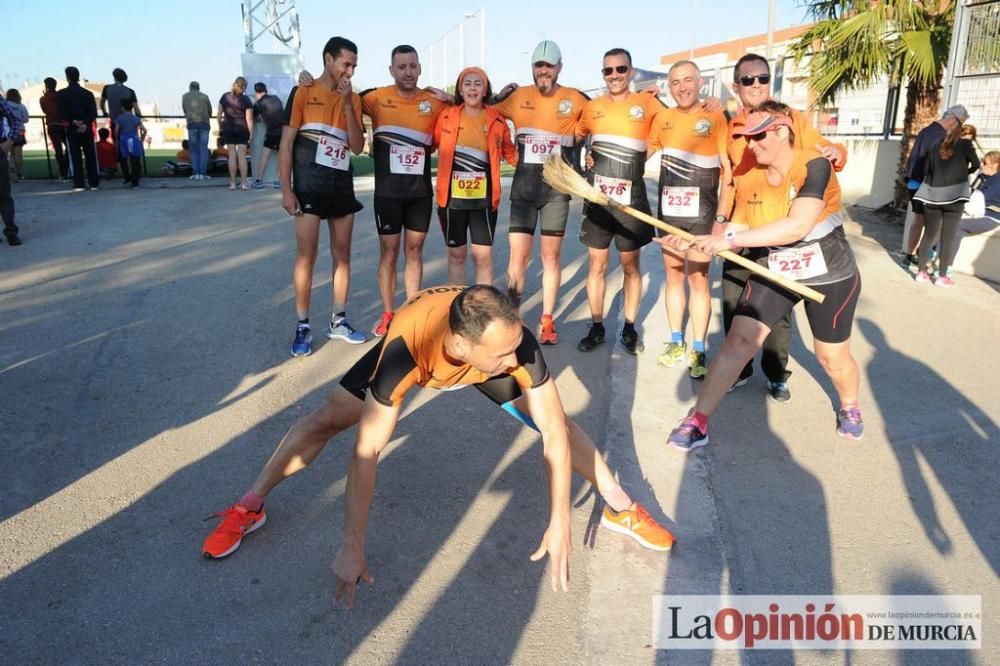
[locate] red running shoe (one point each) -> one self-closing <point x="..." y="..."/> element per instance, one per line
<point x="237" y="522"/>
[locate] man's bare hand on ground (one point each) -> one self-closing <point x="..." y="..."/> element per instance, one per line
<point x="556" y="542"/>
<point x="350" y="567"/>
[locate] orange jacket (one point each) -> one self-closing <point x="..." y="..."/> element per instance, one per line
<point x="446" y="137"/>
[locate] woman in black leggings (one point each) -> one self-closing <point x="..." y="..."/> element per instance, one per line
<point x="944" y="192"/>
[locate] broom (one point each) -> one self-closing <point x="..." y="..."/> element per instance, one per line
<point x="560" y="175"/>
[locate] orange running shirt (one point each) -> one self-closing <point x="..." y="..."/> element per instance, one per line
<point x="472" y="165"/>
<point x="690" y="165"/>
<point x="403" y="132"/>
<point x="542" y="126"/>
<point x="619" y="132"/>
<point x="758" y="203"/>
<point x="413" y="352"/>
<point x="318" y="115"/>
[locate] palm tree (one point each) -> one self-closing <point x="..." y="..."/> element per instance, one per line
<point x="857" y="43"/>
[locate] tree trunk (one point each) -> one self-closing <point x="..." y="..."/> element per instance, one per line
<point x="923" y="106"/>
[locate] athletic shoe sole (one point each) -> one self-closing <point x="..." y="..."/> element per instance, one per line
<point x="780" y="402"/>
<point x="846" y="435"/>
<point x="738" y="384"/>
<point x="615" y="527"/>
<point x="344" y="338"/>
<point x="694" y="445"/>
<point x="253" y="528"/>
<point x="308" y="353"/>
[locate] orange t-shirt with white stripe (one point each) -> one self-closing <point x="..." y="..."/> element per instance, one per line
<point x="413" y="352"/>
<point x="692" y="144"/>
<point x="619" y="132"/>
<point x="403" y="133"/>
<point x="320" y="118"/>
<point x="543" y="125"/>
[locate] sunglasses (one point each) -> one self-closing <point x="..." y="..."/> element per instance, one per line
<point x="763" y="79"/>
<point x="760" y="136"/>
<point x="621" y="69"/>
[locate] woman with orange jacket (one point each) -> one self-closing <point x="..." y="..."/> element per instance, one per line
<point x="470" y="138"/>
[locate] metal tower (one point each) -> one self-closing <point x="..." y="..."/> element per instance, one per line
<point x="275" y="18"/>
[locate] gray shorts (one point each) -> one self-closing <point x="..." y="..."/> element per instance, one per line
<point x="524" y="217"/>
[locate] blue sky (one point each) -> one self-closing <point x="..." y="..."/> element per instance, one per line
<point x="163" y="45"/>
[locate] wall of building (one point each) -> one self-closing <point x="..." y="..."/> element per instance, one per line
<point x="869" y="179"/>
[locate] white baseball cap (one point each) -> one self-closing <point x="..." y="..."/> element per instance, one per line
<point x="547" y="51"/>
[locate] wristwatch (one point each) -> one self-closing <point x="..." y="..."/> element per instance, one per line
<point x="721" y="219"/>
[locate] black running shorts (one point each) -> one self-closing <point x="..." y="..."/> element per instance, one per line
<point x="459" y="226"/>
<point x="600" y="226"/>
<point x="830" y="321"/>
<point x="392" y="215"/>
<point x="524" y="217"/>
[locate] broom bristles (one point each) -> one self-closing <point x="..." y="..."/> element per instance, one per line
<point x="563" y="177"/>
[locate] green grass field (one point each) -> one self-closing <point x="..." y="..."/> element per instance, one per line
<point x="36" y="167"/>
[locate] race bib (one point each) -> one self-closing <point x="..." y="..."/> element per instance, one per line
<point x="468" y="185"/>
<point x="617" y="189"/>
<point x="333" y="153"/>
<point x="406" y="160"/>
<point x="537" y="149"/>
<point x="680" y="201"/>
<point x="799" y="263"/>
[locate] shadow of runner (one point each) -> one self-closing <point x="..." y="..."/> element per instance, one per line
<point x="494" y="596"/>
<point x="134" y="588"/>
<point x="908" y="582"/>
<point x="953" y="436"/>
<point x="772" y="537"/>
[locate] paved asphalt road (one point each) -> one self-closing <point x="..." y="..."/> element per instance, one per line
<point x="145" y="378"/>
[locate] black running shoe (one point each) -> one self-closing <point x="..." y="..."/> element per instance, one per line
<point x="778" y="391"/>
<point x="595" y="336"/>
<point x="742" y="380"/>
<point x="631" y="341"/>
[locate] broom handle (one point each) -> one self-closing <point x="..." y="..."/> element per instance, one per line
<point x="790" y="285"/>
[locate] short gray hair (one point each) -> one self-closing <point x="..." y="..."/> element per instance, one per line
<point x="682" y="63"/>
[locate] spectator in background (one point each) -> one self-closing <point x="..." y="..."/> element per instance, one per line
<point x="982" y="212"/>
<point x="17" y="151"/>
<point x="55" y="126"/>
<point x="220" y="156"/>
<point x="270" y="111"/>
<point x="970" y="133"/>
<point x="198" y="111"/>
<point x="236" y="126"/>
<point x="944" y="192"/>
<point x="129" y="135"/>
<point x="78" y="107"/>
<point x="926" y="139"/>
<point x="9" y="126"/>
<point x="181" y="164"/>
<point x="107" y="156"/>
<point x="112" y="97"/>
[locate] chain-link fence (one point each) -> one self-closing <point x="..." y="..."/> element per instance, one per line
<point x="973" y="78"/>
